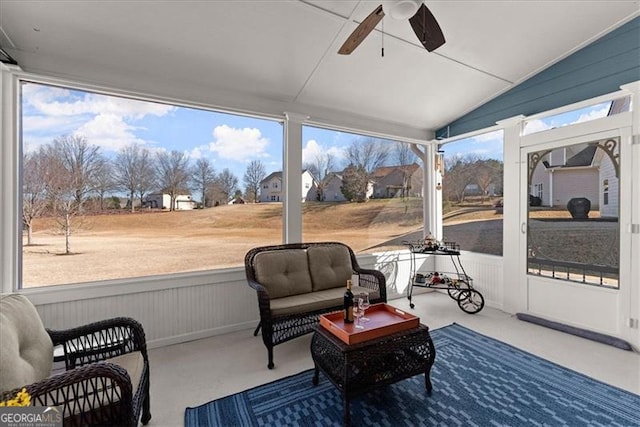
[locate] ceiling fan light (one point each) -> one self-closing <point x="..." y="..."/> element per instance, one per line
<point x="401" y="9"/>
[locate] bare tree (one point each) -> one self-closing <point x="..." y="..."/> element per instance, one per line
<point x="225" y="186"/>
<point x="486" y="172"/>
<point x="202" y="176"/>
<point x="173" y="174"/>
<point x="34" y="189"/>
<point x="82" y="161"/>
<point x="254" y="174"/>
<point x="147" y="175"/>
<point x="405" y="157"/>
<point x="320" y="167"/>
<point x="62" y="189"/>
<point x="366" y="155"/>
<point x="369" y="153"/>
<point x="459" y="174"/>
<point x="104" y="181"/>
<point x="134" y="172"/>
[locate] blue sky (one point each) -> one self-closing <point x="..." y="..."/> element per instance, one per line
<point x="490" y="145"/>
<point x="229" y="141"/>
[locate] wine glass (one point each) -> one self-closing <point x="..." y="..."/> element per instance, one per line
<point x="357" y="312"/>
<point x="365" y="305"/>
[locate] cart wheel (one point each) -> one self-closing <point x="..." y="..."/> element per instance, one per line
<point x="470" y="301"/>
<point x="454" y="288"/>
<point x="412" y="305"/>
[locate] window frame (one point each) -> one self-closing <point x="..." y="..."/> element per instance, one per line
<point x="11" y="227"/>
<point x="10" y="157"/>
<point x="426" y="160"/>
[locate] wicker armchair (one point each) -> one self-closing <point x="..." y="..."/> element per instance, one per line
<point x="106" y="376"/>
<point x="297" y="282"/>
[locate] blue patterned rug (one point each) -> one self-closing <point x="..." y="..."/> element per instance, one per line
<point x="477" y="381"/>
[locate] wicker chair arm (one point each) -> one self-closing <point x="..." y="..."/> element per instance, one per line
<point x="100" y="393"/>
<point x="372" y="279"/>
<point x="264" y="302"/>
<point x="99" y="341"/>
<point x="258" y="287"/>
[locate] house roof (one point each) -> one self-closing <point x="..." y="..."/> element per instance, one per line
<point x="271" y="57"/>
<point x="386" y="170"/>
<point x="273" y="175"/>
<point x="278" y="175"/>
<point x="582" y="158"/>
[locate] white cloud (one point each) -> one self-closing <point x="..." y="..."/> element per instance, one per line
<point x="310" y="151"/>
<point x="560" y="120"/>
<point x="593" y="114"/>
<point x="534" y="126"/>
<point x="313" y="148"/>
<point x="33" y="143"/>
<point x="38" y="123"/>
<point x="496" y="135"/>
<point x="54" y="101"/>
<point x="109" y="131"/>
<point x="238" y="144"/>
<point x="196" y="153"/>
<point x="106" y="121"/>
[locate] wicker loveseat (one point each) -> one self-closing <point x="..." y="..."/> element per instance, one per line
<point x="106" y="376"/>
<point x="297" y="282"/>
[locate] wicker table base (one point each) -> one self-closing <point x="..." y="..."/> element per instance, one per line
<point x="356" y="369"/>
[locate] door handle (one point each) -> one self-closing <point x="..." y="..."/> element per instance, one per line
<point x="523" y="228"/>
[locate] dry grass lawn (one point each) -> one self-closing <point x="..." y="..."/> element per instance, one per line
<point x="148" y="243"/>
<point x="115" y="246"/>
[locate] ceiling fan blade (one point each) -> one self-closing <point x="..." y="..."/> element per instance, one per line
<point x="362" y="31"/>
<point x="426" y="27"/>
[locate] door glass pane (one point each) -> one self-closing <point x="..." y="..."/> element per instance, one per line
<point x="573" y="214"/>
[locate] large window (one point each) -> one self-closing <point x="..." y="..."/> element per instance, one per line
<point x="116" y="188"/>
<point x="472" y="193"/>
<point x="366" y="192"/>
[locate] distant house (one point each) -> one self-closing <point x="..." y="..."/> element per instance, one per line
<point x="184" y="202"/>
<point x="387" y="182"/>
<point x="580" y="170"/>
<point x="393" y="181"/>
<point x="237" y="201"/>
<point x="333" y="188"/>
<point x="332" y="191"/>
<point x="271" y="189"/>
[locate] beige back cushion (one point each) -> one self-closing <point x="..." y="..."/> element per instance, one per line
<point x="283" y="272"/>
<point x="26" y="350"/>
<point x="330" y="266"/>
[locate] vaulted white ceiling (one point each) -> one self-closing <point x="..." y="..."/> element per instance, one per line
<point x="274" y="56"/>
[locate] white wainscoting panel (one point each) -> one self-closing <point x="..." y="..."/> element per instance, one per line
<point x="169" y="315"/>
<point x="176" y="309"/>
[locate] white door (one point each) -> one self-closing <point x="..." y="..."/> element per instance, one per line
<point x="575" y="190"/>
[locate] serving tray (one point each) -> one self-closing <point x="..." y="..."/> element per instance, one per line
<point x="385" y="320"/>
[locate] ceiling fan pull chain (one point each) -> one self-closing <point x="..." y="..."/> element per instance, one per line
<point x="382" y="39"/>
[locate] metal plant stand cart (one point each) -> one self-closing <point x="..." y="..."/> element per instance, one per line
<point x="357" y="368"/>
<point x="458" y="284"/>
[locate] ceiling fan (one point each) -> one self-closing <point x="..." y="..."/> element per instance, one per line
<point x="422" y="21"/>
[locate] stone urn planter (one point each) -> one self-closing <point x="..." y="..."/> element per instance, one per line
<point x="579" y="207"/>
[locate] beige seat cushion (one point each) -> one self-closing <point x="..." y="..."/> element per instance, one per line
<point x="319" y="300"/>
<point x="26" y="350"/>
<point x="329" y="266"/>
<point x="283" y="272"/>
<point x="87" y="397"/>
<point x="134" y="364"/>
